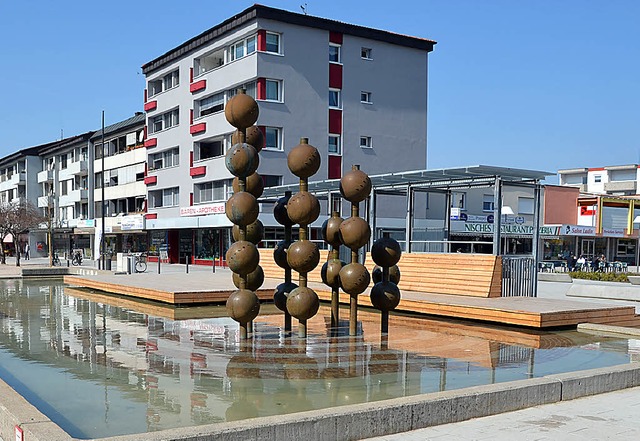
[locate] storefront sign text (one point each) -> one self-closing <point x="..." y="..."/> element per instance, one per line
<point x="578" y="230"/>
<point x="134" y="222"/>
<point x="613" y="232"/>
<point x="200" y="210"/>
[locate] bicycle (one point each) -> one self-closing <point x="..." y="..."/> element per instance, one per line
<point x="141" y="263"/>
<point x="76" y="260"/>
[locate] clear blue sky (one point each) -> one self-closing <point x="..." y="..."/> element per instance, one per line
<point x="539" y="84"/>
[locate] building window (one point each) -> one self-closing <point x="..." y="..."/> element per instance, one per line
<point x="249" y="88"/>
<point x="166" y="82"/>
<point x="271" y="180"/>
<point x="458" y="200"/>
<point x="273" y="42"/>
<point x="487" y="202"/>
<point x="597" y="178"/>
<point x="208" y="192"/>
<point x="365" y="97"/>
<point x="208" y="62"/>
<point x="210" y="104"/>
<point x="525" y="205"/>
<point x="365" y="142"/>
<point x="334" y="99"/>
<point x="207" y="149"/>
<point x="164" y="121"/>
<point x="334" y="144"/>
<point x="242" y="48"/>
<point x="169" y="197"/>
<point x="365" y="53"/>
<point x="273" y="90"/>
<point x="273" y="138"/>
<point x="335" y="53"/>
<point x="168" y="158"/>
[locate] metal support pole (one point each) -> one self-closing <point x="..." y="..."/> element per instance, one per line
<point x="159" y="259"/>
<point x="536" y="239"/>
<point x="409" y="219"/>
<point x="447" y="220"/>
<point x="187" y="258"/>
<point x="497" y="216"/>
<point x="102" y="241"/>
<point x="372" y="216"/>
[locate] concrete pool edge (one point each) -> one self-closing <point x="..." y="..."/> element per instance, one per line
<point x="355" y="421"/>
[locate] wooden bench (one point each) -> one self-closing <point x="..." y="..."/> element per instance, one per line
<point x="477" y="275"/>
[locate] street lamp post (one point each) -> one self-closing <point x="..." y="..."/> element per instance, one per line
<point x="102" y="242"/>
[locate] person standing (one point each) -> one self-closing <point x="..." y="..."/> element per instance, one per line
<point x="26" y="251"/>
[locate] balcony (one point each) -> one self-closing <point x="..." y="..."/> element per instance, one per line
<point x="18" y="178"/>
<point x="618" y="186"/>
<point x="45" y="176"/>
<point x="78" y="168"/>
<point x="44" y="201"/>
<point x="72" y="197"/>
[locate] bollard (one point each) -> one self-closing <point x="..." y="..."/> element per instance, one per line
<point x="213" y="264"/>
<point x="159" y="264"/>
<point x="187" y="259"/>
<point x="67" y="263"/>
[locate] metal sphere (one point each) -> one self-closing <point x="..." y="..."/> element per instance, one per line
<point x="303" y="208"/>
<point x="243" y="305"/>
<point x="303" y="160"/>
<point x="254" y="233"/>
<point x="354" y="278"/>
<point x="355" y="186"/>
<point x="243" y="257"/>
<point x="303" y="303"/>
<point x="254" y="185"/>
<point x="385" y="296"/>
<point x="331" y="231"/>
<point x="386" y="251"/>
<point x="330" y="272"/>
<point x="303" y="256"/>
<point x="281" y="294"/>
<point x="242" y="160"/>
<point x="255" y="279"/>
<point x="355" y="232"/>
<point x="280" y="254"/>
<point x="394" y="274"/>
<point x="280" y="211"/>
<point x="242" y="208"/>
<point x="241" y="111"/>
<point x="254" y="137"/>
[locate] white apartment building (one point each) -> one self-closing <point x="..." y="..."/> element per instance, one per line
<point x="616" y="180"/>
<point x="358" y="94"/>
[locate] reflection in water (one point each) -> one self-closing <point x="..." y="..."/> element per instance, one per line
<point x="99" y="369"/>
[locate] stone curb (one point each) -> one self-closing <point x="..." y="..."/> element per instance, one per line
<point x="555" y="277"/>
<point x="356" y="421"/>
<point x="609" y="330"/>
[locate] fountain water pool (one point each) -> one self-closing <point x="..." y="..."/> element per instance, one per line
<point x="102" y="366"/>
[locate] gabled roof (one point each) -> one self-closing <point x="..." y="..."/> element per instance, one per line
<point x="259" y="11"/>
<point x="136" y="120"/>
<point x="63" y="144"/>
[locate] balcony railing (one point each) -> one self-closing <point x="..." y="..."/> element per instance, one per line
<point x="45" y="176"/>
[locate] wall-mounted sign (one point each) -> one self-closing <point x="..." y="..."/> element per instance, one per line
<point x="587" y="210"/>
<point x="577" y="230"/>
<point x="200" y="210"/>
<point x="470" y="227"/>
<point x="613" y="232"/>
<point x="86" y="223"/>
<point x="133" y="222"/>
<point x="550" y="230"/>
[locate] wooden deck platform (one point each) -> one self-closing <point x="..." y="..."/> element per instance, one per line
<point x="206" y="288"/>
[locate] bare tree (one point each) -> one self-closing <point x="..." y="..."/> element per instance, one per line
<point x="14" y="220"/>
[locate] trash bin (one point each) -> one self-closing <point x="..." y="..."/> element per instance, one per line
<point x="107" y="263"/>
<point x="131" y="264"/>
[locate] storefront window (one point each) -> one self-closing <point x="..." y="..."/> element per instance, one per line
<point x="558" y="248"/>
<point x="134" y="243"/>
<point x="157" y="241"/>
<point x="626" y="251"/>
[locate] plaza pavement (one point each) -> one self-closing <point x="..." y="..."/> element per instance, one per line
<point x="609" y="416"/>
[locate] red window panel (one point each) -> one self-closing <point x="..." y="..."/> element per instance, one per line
<point x="190" y="159"/>
<point x="191" y="74"/>
<point x="151" y="216"/>
<point x="198" y="86"/>
<point x="262" y="40"/>
<point x="335" y="121"/>
<point x="151" y="105"/>
<point x="190" y="199"/>
<point x="198" y="128"/>
<point x="198" y="171"/>
<point x="145" y="95"/>
<point x="151" y="142"/>
<point x="335" y="167"/>
<point x="335" y="76"/>
<point x="144" y="132"/>
<point x="151" y="180"/>
<point x="335" y="37"/>
<point x="191" y="116"/>
<point x="261" y="89"/>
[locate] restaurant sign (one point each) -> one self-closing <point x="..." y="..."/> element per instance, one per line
<point x="578" y="230"/>
<point x="504" y="229"/>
